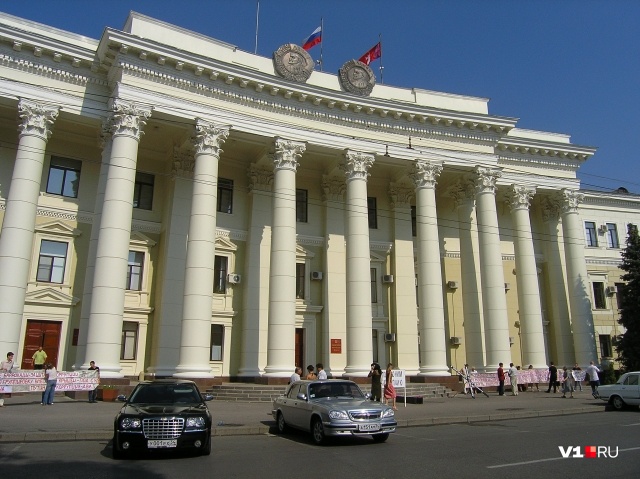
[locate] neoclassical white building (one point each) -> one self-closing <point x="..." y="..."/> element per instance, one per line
<point x="173" y="205"/>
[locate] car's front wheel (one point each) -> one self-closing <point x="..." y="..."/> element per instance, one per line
<point x="115" y="452"/>
<point x="617" y="403"/>
<point x="317" y="430"/>
<point x="206" y="451"/>
<point x="380" y="437"/>
<point x="282" y="424"/>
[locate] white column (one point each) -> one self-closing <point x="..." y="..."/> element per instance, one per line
<point x="531" y="328"/>
<point x="282" y="276"/>
<point x="577" y="279"/>
<point x="334" y="311"/>
<point x="558" y="296"/>
<point x="463" y="194"/>
<point x="16" y="240"/>
<point x="104" y="333"/>
<point x="255" y="294"/>
<point x="359" y="315"/>
<point x="87" y="289"/>
<point x="167" y="323"/>
<point x="403" y="289"/>
<point x="493" y="296"/>
<point x="195" y="340"/>
<point x="431" y="310"/>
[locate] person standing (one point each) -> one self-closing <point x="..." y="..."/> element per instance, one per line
<point x="51" y="375"/>
<point x="389" y="389"/>
<point x="39" y="358"/>
<point x="93" y="393"/>
<point x="594" y="380"/>
<point x="513" y="376"/>
<point x="322" y="374"/>
<point x="376" y="385"/>
<point x="553" y="377"/>
<point x="6" y="367"/>
<point x="310" y="374"/>
<point x="500" y="380"/>
<point x="296" y="375"/>
<point x="578" y="383"/>
<point x="567" y="383"/>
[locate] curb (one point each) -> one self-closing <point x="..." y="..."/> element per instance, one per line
<point x="268" y="427"/>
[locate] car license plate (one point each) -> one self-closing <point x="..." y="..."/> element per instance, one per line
<point x="157" y="443"/>
<point x="368" y="427"/>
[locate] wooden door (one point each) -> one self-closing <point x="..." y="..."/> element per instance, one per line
<point x="300" y="348"/>
<point x="41" y="333"/>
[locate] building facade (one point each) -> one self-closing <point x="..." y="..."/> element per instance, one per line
<point x="173" y="205"/>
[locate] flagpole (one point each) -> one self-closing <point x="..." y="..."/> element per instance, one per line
<point x="321" y="40"/>
<point x="257" y="18"/>
<point x="381" y="67"/>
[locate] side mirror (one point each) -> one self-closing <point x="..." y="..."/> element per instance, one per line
<point x="208" y="397"/>
<point x="122" y="398"/>
<point x="367" y="396"/>
<point x="302" y="396"/>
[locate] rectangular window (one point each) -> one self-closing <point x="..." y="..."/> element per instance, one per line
<point x="612" y="236"/>
<point x="143" y="191"/>
<point x="374" y="285"/>
<point x="300" y="280"/>
<point x="217" y="338"/>
<point x="225" y="195"/>
<point x="372" y="210"/>
<point x="619" y="294"/>
<point x="414" y="227"/>
<point x="591" y="236"/>
<point x="599" y="301"/>
<point x="605" y="346"/>
<point x="220" y="269"/>
<point x="134" y="270"/>
<point x="51" y="263"/>
<point x="64" y="177"/>
<point x="129" y="344"/>
<point x="301" y="206"/>
<point x="374" y="341"/>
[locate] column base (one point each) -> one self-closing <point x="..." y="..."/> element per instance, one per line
<point x="193" y="372"/>
<point x="278" y="372"/>
<point x="356" y="372"/>
<point x="435" y="371"/>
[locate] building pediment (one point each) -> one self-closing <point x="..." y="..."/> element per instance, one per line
<point x="139" y="239"/>
<point x="50" y="297"/>
<point x="303" y="252"/>
<point x="58" y="228"/>
<point x="223" y="244"/>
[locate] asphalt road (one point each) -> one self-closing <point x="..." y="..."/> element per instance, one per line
<point x="524" y="448"/>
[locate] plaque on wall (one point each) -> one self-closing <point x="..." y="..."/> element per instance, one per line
<point x="293" y="63"/>
<point x="357" y="78"/>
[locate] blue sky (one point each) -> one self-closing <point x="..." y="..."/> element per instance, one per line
<point x="566" y="66"/>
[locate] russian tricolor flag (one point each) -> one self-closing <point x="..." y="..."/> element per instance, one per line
<point x="313" y="39"/>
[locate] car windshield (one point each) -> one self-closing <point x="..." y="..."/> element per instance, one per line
<point x="165" y="394"/>
<point x="335" y="390"/>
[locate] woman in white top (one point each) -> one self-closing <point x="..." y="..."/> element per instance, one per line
<point x="51" y="375"/>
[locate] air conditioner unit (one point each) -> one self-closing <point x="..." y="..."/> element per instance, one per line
<point x="316" y="275"/>
<point x="452" y="284"/>
<point x="234" y="278"/>
<point x="387" y="278"/>
<point x="602" y="229"/>
<point x="390" y="337"/>
<point x="456" y="340"/>
<point x="612" y="289"/>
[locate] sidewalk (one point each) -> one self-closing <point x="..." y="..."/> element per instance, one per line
<point x="24" y="419"/>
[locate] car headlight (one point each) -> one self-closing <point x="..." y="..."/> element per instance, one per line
<point x="195" y="422"/>
<point x="389" y="413"/>
<point x="130" y="423"/>
<point x="338" y="415"/>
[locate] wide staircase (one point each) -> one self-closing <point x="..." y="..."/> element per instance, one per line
<point x="247" y="392"/>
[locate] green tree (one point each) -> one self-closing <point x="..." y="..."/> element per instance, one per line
<point x="629" y="343"/>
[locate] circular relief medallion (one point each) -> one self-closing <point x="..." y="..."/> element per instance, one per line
<point x="356" y="77"/>
<point x="293" y="63"/>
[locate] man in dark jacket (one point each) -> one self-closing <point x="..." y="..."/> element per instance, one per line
<point x="553" y="377"/>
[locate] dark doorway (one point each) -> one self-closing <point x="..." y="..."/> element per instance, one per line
<point x="41" y="333"/>
<point x="300" y="347"/>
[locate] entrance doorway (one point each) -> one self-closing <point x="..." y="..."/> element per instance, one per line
<point x="41" y="333"/>
<point x="300" y="348"/>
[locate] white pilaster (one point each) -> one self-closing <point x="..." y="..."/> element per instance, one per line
<point x="282" y="276"/>
<point x="577" y="279"/>
<point x="531" y="328"/>
<point x="431" y="310"/>
<point x="195" y="341"/>
<point x="112" y="251"/>
<point x="16" y="240"/>
<point x="359" y="315"/>
<point x="493" y="295"/>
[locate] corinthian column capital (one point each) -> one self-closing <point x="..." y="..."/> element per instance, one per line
<point x="287" y="153"/>
<point x="209" y="138"/>
<point x="37" y="118"/>
<point x="356" y="164"/>
<point x="487" y="180"/>
<point x="571" y="199"/>
<point x="333" y="188"/>
<point x="425" y="174"/>
<point x="128" y="118"/>
<point x="519" y="197"/>
<point x="400" y="195"/>
<point x="461" y="191"/>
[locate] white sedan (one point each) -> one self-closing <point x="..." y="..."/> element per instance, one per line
<point x="626" y="392"/>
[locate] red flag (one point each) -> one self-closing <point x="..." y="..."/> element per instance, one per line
<point x="373" y="54"/>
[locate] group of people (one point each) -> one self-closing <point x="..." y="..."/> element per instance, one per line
<point x="312" y="373"/>
<point x="569" y="384"/>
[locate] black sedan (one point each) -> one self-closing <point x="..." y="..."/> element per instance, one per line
<point x="163" y="415"/>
